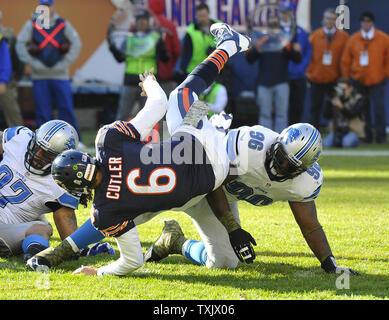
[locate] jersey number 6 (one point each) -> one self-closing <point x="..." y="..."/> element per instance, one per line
<point x="153" y="187"/>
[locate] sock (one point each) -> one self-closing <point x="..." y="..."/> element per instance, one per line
<point x="34" y="239"/>
<point x="206" y="72"/>
<point x="84" y="236"/>
<point x="195" y="251"/>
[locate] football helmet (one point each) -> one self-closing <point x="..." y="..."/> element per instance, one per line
<point x="49" y="140"/>
<point x="295" y="150"/>
<point x="74" y="171"/>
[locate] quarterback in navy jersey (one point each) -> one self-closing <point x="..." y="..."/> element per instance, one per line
<point x="131" y="179"/>
<point x="131" y="185"/>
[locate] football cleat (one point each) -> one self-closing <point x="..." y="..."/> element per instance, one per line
<point x="169" y="242"/>
<point x="197" y="111"/>
<point x="55" y="256"/>
<point x="38" y="264"/>
<point x="32" y="250"/>
<point x="223" y="32"/>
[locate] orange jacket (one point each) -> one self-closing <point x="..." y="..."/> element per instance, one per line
<point x="378" y="49"/>
<point x="316" y="71"/>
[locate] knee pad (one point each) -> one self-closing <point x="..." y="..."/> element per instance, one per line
<point x="223" y="262"/>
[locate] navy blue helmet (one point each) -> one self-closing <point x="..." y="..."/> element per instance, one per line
<point x="74" y="171"/>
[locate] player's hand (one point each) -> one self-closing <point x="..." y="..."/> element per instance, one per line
<point x="143" y="77"/>
<point x="97" y="249"/>
<point x="241" y="242"/>
<point x="88" y="271"/>
<point x="329" y="266"/>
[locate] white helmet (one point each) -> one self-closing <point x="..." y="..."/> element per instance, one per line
<point x="296" y="149"/>
<point x="49" y="140"/>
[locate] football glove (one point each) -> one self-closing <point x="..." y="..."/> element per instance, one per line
<point x="98" y="248"/>
<point x="241" y="242"/>
<point x="329" y="265"/>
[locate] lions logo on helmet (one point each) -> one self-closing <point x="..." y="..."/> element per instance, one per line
<point x="296" y="149"/>
<point x="52" y="138"/>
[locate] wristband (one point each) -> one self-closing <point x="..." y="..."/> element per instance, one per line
<point x="229" y="222"/>
<point x="329" y="264"/>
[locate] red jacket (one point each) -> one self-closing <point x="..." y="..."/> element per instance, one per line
<point x="172" y="43"/>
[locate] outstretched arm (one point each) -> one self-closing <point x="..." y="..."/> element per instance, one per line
<point x="240" y="239"/>
<point x="66" y="222"/>
<point x="131" y="257"/>
<point x="306" y="217"/>
<point x="155" y="107"/>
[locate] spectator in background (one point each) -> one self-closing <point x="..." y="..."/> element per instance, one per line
<point x="172" y="45"/>
<point x="366" y="61"/>
<point x="50" y="52"/>
<point x="5" y="65"/>
<point x="346" y="107"/>
<point x="297" y="79"/>
<point x="216" y="96"/>
<point x="198" y="43"/>
<point x="324" y="69"/>
<point x="9" y="93"/>
<point x="137" y="61"/>
<point x="273" y="87"/>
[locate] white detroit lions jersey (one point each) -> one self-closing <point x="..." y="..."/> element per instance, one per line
<point x="24" y="196"/>
<point x="247" y="147"/>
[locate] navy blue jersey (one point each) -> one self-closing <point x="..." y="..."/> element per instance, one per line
<point x="139" y="178"/>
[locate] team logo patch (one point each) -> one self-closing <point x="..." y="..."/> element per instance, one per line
<point x="90" y="170"/>
<point x="71" y="143"/>
<point x="293" y="134"/>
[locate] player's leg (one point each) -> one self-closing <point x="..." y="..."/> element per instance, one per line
<point x="85" y="235"/>
<point x="213" y="251"/>
<point x="229" y="42"/>
<point x="13" y="237"/>
<point x="36" y="239"/>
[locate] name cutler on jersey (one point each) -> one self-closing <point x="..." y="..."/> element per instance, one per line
<point x="115" y="167"/>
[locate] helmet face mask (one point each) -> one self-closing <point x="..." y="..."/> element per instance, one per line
<point x="49" y="140"/>
<point x="296" y="149"/>
<point x="37" y="159"/>
<point x="280" y="167"/>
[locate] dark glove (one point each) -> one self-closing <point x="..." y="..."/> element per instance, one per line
<point x="241" y="243"/>
<point x="329" y="266"/>
<point x="97" y="249"/>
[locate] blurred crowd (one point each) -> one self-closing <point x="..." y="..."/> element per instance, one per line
<point x="346" y="74"/>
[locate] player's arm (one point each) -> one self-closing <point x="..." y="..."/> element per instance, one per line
<point x="66" y="222"/>
<point x="240" y="239"/>
<point x="306" y="217"/>
<point x="155" y="107"/>
<point x="131" y="257"/>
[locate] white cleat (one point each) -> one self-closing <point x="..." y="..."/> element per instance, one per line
<point x="223" y="32"/>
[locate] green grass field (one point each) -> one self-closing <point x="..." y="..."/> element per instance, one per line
<point x="352" y="207"/>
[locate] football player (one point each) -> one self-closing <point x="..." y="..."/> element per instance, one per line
<point x="268" y="167"/>
<point x="28" y="191"/>
<point x="131" y="178"/>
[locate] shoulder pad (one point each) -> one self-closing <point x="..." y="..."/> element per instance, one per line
<point x="68" y="200"/>
<point x="9" y="133"/>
